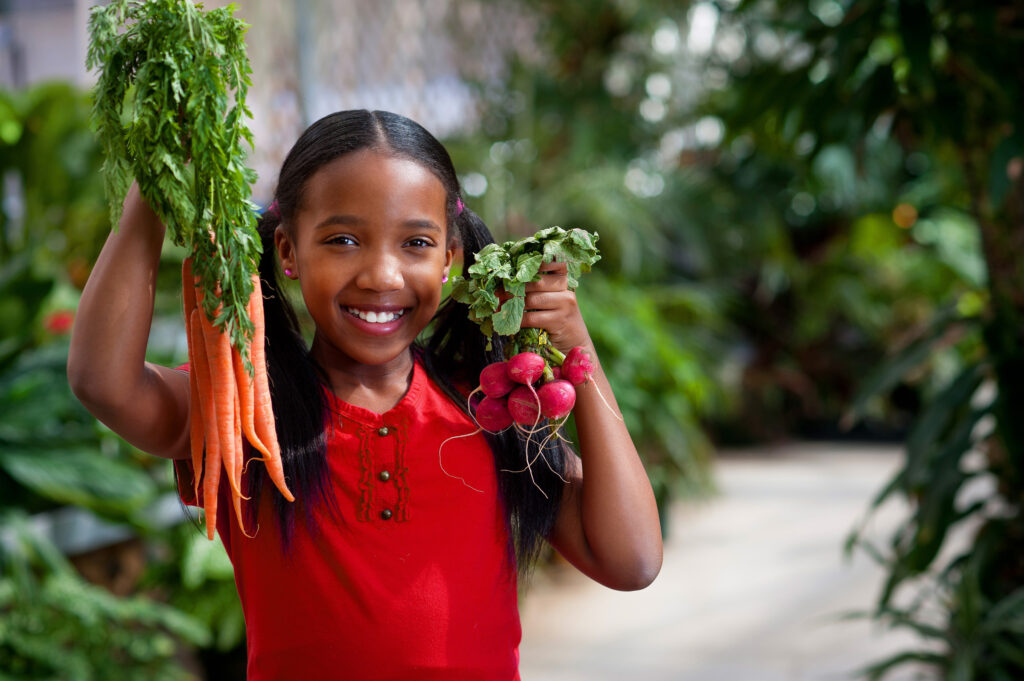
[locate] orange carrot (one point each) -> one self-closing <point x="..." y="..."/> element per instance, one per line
<point x="236" y="471"/>
<point x="197" y="425"/>
<point x="211" y="487"/>
<point x="264" y="424"/>
<point x="211" y="471"/>
<point x="195" y="412"/>
<point x="226" y="402"/>
<point x="222" y="389"/>
<point x="246" y="397"/>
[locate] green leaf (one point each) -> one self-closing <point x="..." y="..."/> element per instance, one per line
<point x="879" y="669"/>
<point x="1012" y="651"/>
<point x="202" y="560"/>
<point x="896" y="368"/>
<point x="82" y="477"/>
<point x="1007" y="613"/>
<point x="527" y="267"/>
<point x="508" y="319"/>
<point x="508" y="268"/>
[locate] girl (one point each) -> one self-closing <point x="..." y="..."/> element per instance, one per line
<point x="385" y="567"/>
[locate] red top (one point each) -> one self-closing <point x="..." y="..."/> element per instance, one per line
<point x="414" y="582"/>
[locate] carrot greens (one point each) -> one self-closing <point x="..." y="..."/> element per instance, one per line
<point x="169" y="111"/>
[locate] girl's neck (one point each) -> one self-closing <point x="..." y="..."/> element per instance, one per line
<point x="377" y="387"/>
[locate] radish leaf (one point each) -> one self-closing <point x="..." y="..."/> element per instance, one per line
<point x="509" y="267"/>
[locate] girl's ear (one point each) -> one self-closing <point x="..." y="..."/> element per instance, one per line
<point x="449" y="258"/>
<point x="286" y="252"/>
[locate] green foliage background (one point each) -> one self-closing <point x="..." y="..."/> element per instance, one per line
<point x="823" y="185"/>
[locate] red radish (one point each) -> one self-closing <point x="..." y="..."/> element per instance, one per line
<point x="578" y="366"/>
<point x="526" y="367"/>
<point x="524" y="406"/>
<point x="556" y="372"/>
<point x="492" y="414"/>
<point x="556" y="399"/>
<point x="494" y="380"/>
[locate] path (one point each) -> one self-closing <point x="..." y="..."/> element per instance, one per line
<point x="750" y="590"/>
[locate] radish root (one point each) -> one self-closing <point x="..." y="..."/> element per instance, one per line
<point x="591" y="381"/>
<point x="440" y="459"/>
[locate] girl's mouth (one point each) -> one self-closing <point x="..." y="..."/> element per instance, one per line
<point x="373" y="317"/>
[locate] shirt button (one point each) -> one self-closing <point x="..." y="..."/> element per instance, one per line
<point x="383" y="431"/>
<point x="386" y="514"/>
<point x="384" y="476"/>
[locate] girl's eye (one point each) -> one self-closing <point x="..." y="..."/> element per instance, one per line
<point x="419" y="243"/>
<point x="341" y="240"/>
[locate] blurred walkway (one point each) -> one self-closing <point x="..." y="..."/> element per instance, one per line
<point x="750" y="590"/>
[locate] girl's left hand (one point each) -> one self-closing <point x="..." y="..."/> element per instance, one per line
<point x="551" y="306"/>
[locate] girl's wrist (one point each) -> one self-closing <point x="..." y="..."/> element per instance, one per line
<point x="137" y="214"/>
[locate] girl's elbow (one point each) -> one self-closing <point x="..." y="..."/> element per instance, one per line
<point x="95" y="388"/>
<point x="80" y="380"/>
<point x="644" y="573"/>
<point x="638" y="574"/>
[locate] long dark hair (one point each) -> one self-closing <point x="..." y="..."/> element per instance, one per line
<point x="453" y="354"/>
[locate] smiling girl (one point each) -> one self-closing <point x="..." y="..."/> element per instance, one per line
<point x="385" y="567"/>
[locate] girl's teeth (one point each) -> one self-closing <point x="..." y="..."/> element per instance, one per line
<point x="376" y="317"/>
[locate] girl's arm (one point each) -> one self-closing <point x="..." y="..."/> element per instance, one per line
<point x="144" y="403"/>
<point x="607" y="526"/>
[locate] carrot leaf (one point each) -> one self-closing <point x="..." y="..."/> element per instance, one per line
<point x="169" y="110"/>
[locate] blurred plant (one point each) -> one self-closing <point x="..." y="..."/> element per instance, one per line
<point x="939" y="82"/>
<point x="199" y="581"/>
<point x="53" y="453"/>
<point x="54" y="625"/>
<point x="611" y="120"/>
<point x="662" y="383"/>
<point x="53" y="209"/>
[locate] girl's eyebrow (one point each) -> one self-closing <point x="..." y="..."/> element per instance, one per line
<point x="338" y="220"/>
<point x="423" y="224"/>
<point x="412" y="223"/>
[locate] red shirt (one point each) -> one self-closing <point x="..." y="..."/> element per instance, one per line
<point x="414" y="582"/>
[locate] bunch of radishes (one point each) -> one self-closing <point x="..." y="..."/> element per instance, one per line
<point x="526" y="388"/>
<point x="536" y="382"/>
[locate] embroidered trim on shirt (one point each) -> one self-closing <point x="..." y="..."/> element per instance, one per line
<point x="366" y="479"/>
<point x="401" y="483"/>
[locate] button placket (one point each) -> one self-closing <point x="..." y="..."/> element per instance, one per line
<point x="385" y="474"/>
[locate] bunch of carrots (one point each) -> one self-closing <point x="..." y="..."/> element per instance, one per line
<point x="227" y="402"/>
<point x="169" y="111"/>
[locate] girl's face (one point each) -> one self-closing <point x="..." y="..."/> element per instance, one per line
<point x="369" y="247"/>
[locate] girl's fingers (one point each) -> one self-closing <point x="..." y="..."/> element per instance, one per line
<point x="553" y="277"/>
<point x="564" y="331"/>
<point x="554" y="268"/>
<point x="563" y="300"/>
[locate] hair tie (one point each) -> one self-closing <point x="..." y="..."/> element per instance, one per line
<point x="273" y="209"/>
<point x="458" y="206"/>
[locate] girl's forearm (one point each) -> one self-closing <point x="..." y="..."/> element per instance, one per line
<point x="107" y="359"/>
<point x="619" y="515"/>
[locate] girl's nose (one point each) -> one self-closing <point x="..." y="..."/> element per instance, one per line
<point x="382" y="273"/>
